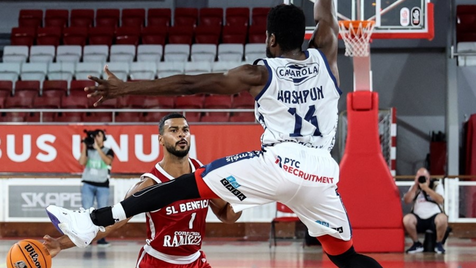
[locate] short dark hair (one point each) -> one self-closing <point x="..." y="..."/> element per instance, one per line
<point x="167" y="117"/>
<point x="104" y="138"/>
<point x="288" y="24"/>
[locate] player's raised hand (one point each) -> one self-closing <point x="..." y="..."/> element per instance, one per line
<point x="109" y="88"/>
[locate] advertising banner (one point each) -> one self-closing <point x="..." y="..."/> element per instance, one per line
<point x="56" y="148"/>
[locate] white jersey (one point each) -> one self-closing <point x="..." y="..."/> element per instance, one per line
<point x="299" y="102"/>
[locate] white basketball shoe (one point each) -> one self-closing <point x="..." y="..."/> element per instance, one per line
<point x="76" y="224"/>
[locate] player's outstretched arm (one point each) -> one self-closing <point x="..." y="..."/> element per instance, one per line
<point x="55" y="245"/>
<point x="247" y="77"/>
<point x="224" y="211"/>
<point x="325" y="36"/>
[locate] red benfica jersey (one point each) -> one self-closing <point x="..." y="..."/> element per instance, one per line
<point x="176" y="231"/>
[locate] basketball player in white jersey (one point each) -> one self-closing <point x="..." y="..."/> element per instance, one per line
<point x="174" y="233"/>
<point x="296" y="94"/>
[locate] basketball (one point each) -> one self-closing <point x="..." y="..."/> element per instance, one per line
<point x="28" y="253"/>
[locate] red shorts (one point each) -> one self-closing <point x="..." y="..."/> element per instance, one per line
<point x="147" y="261"/>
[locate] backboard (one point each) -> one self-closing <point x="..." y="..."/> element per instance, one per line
<point x="394" y="19"/>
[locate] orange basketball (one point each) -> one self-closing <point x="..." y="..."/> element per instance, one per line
<point x="28" y="253"/>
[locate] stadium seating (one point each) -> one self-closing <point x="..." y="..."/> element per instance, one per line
<point x="75" y="35"/>
<point x="30" y="18"/>
<point x="49" y="36"/>
<point x="255" y="51"/>
<point x="6" y="89"/>
<point x="151" y="53"/>
<point x="185" y="16"/>
<point x="107" y="17"/>
<point x="56" y="18"/>
<point x="47" y="102"/>
<point x="129" y="117"/>
<point x="61" y="71"/>
<point x="23" y="36"/>
<point x="243" y="117"/>
<point x="466" y="20"/>
<point x="215" y="118"/>
<point x="237" y="16"/>
<point x="159" y="17"/>
<point x="181" y="34"/>
<point x="69" y="53"/>
<point x="19" y="102"/>
<point x="165" y="69"/>
<point x="176" y="52"/>
<point x="95" y="53"/>
<point x="154" y="35"/>
<point x="55" y="88"/>
<point x="77" y="86"/>
<point x="101" y="35"/>
<point x="257" y="34"/>
<point x="133" y="17"/>
<point x="197" y="67"/>
<point x="10" y="71"/>
<point x="223" y="66"/>
<point x="82" y="18"/>
<point x="84" y="69"/>
<point x="230" y="52"/>
<point x="207" y="34"/>
<point x="234" y="34"/>
<point x="34" y="71"/>
<point x="259" y="15"/>
<point x="42" y="53"/>
<point x="15" y="54"/>
<point x="125" y="53"/>
<point x="203" y="52"/>
<point x="119" y="68"/>
<point x="27" y="89"/>
<point x="211" y="16"/>
<point x="146" y="70"/>
<point x="218" y="102"/>
<point x="128" y="35"/>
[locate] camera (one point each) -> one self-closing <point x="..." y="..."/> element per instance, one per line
<point x="90" y="135"/>
<point x="421" y="179"/>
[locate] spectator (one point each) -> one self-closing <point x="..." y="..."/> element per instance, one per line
<point x="97" y="160"/>
<point x="427" y="212"/>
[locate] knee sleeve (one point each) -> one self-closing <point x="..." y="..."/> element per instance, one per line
<point x="351" y="259"/>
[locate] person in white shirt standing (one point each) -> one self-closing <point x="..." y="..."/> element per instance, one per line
<point x="427" y="213"/>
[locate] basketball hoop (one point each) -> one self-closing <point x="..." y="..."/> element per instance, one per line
<point x="356" y="35"/>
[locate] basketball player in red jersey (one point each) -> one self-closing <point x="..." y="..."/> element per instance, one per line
<point x="175" y="232"/>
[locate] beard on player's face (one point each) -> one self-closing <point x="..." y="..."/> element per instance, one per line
<point x="179" y="150"/>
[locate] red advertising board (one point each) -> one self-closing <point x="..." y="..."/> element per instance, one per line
<point x="56" y="148"/>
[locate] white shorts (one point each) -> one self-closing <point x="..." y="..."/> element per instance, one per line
<point x="300" y="177"/>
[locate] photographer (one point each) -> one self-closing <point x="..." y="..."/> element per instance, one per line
<point x="427" y="212"/>
<point x="97" y="161"/>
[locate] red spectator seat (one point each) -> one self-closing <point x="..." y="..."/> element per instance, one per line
<point x="52" y="88"/>
<point x="259" y="15"/>
<point x="13" y="117"/>
<point x="128" y="35"/>
<point x="211" y="16"/>
<point x="129" y="117"/>
<point x="159" y="17"/>
<point x="98" y="117"/>
<point x="154" y="116"/>
<point x="167" y="102"/>
<point x="134" y="102"/>
<point x="465" y="24"/>
<point x="190" y="102"/>
<point x="218" y="102"/>
<point x="6" y="88"/>
<point x="82" y="18"/>
<point x="56" y="18"/>
<point x="2" y="101"/>
<point x="213" y="117"/>
<point x="180" y="35"/>
<point x="133" y="17"/>
<point x="207" y="34"/>
<point x="74" y="102"/>
<point x="30" y="18"/>
<point x="257" y="34"/>
<point x="243" y="117"/>
<point x="79" y="85"/>
<point x="40" y="117"/>
<point x="108" y="104"/>
<point x="237" y="16"/>
<point x="283" y="214"/>
<point x="27" y="87"/>
<point x="101" y="35"/>
<point x="154" y="35"/>
<point x="49" y="36"/>
<point x="107" y="17"/>
<point x="19" y="102"/>
<point x="243" y="101"/>
<point x="184" y="16"/>
<point x="69" y="117"/>
<point x="75" y="35"/>
<point x="234" y="34"/>
<point x="47" y="102"/>
<point x="23" y="36"/>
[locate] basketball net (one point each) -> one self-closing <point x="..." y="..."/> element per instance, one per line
<point x="356" y="35"/>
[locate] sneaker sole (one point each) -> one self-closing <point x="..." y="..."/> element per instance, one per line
<point x="54" y="220"/>
<point x="415" y="251"/>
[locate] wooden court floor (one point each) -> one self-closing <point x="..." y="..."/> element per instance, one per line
<point x="460" y="253"/>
